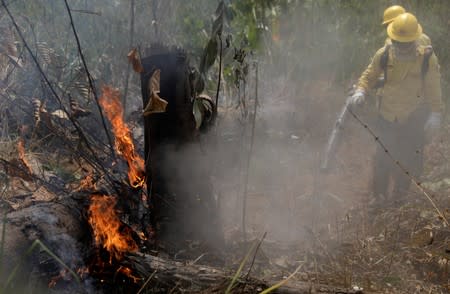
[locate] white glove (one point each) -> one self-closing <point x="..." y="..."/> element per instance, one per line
<point x="433" y="122"/>
<point x="358" y="98"/>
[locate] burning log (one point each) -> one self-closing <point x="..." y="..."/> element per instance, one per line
<point x="108" y="260"/>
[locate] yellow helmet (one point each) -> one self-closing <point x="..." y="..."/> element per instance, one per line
<point x="404" y="28"/>
<point x="391" y="13"/>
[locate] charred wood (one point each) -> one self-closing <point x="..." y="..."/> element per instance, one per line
<point x="187" y="277"/>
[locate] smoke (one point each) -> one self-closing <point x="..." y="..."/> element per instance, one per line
<point x="302" y="83"/>
<point x="299" y="96"/>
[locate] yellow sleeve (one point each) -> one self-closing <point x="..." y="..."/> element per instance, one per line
<point x="370" y="76"/>
<point x="424" y="40"/>
<point x="432" y="86"/>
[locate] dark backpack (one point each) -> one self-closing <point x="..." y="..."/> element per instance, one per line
<point x="384" y="61"/>
<point x="425" y="64"/>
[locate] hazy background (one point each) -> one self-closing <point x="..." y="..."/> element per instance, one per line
<point x="308" y="53"/>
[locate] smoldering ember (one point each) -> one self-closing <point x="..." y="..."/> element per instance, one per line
<point x="277" y="146"/>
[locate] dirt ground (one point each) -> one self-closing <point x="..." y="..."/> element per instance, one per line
<point x="324" y="220"/>
<point x="321" y="221"/>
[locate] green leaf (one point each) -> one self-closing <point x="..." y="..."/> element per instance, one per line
<point x="218" y="22"/>
<point x="239" y="270"/>
<point x="209" y="55"/>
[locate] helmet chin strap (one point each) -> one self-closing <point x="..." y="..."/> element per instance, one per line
<point x="404" y="51"/>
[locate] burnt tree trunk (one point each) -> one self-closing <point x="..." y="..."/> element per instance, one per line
<point x="179" y="185"/>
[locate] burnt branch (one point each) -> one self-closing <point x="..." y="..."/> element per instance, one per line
<point x="89" y="76"/>
<point x="10" y="165"/>
<point x="191" y="277"/>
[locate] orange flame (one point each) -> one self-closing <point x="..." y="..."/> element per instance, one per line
<point x="110" y="102"/>
<point x="23" y="159"/>
<point x="106" y="226"/>
<point x="127" y="272"/>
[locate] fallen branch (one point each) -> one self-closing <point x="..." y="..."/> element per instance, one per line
<point x="196" y="277"/>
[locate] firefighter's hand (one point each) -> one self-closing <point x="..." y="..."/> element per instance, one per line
<point x="358" y="98"/>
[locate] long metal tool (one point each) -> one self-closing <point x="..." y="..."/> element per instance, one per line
<point x="249" y="156"/>
<point x="335" y="137"/>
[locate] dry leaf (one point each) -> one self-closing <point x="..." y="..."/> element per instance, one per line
<point x="40" y="113"/>
<point x="17" y="61"/>
<point x="8" y="45"/>
<point x="155" y="103"/>
<point x="83" y="89"/>
<point x="60" y="113"/>
<point x="42" y="194"/>
<point x="135" y="60"/>
<point x="76" y="109"/>
<point x="45" y="52"/>
<point x="18" y="169"/>
<point x="38" y="107"/>
<point x="154" y="84"/>
<point x="22" y="156"/>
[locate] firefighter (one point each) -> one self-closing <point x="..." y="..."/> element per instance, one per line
<point x="409" y="105"/>
<point x="391" y="13"/>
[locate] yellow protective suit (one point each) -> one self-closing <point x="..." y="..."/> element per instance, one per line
<point x="404" y="90"/>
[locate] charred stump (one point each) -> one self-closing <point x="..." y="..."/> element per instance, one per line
<point x="181" y="196"/>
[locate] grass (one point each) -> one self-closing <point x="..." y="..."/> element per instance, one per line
<point x="239" y="270"/>
<point x="281" y="283"/>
